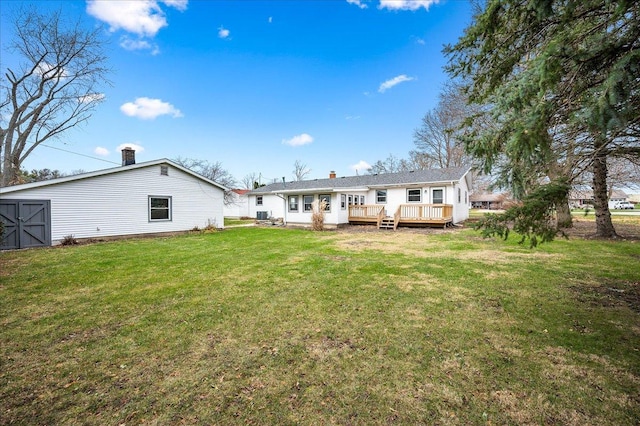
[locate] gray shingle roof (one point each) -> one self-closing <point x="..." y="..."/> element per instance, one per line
<point x="367" y="181"/>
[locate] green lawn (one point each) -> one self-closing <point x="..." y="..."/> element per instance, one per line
<point x="280" y="326"/>
<point x="234" y="222"/>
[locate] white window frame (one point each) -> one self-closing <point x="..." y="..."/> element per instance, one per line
<point x="444" y="192"/>
<point x="326" y="197"/>
<point x="169" y="208"/>
<point x="343" y="201"/>
<point x="362" y="200"/>
<point x="381" y="196"/>
<point x="305" y="204"/>
<point x="296" y="197"/>
<point x="414" y="190"/>
<point x="259" y="200"/>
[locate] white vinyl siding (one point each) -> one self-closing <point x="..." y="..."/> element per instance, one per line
<point x="118" y="203"/>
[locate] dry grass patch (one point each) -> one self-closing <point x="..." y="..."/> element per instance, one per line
<point x="280" y="326"/>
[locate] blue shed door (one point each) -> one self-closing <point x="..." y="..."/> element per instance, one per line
<point x="27" y="223"/>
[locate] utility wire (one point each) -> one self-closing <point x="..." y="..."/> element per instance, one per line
<point x="82" y="155"/>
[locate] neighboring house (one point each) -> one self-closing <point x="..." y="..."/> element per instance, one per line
<point x="147" y="198"/>
<point x="488" y="201"/>
<point x="579" y="198"/>
<point x="238" y="205"/>
<point x="421" y="197"/>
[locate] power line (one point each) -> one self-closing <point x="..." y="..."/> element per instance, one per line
<point x="82" y="155"/>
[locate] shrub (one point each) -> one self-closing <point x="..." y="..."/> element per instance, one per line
<point x="69" y="240"/>
<point x="317" y="217"/>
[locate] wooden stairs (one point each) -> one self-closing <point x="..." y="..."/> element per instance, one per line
<point x="387" y="223"/>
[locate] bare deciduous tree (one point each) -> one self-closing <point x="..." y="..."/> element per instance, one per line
<point x="437" y="140"/>
<point x="250" y="181"/>
<point x="391" y="164"/>
<point x="55" y="87"/>
<point x="300" y="170"/>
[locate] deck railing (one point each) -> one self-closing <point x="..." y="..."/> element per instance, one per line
<point x="407" y="213"/>
<point x="366" y="213"/>
<point x="424" y="211"/>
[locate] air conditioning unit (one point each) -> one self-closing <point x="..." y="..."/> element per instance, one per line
<point x="262" y="215"/>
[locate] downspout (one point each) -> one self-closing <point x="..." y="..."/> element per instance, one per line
<point x="284" y="199"/>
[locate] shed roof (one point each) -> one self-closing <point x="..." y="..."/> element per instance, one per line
<point x="383" y="180"/>
<point x="120" y="169"/>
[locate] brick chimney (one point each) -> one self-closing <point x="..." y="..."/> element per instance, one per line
<point x="128" y="156"/>
<point x="332" y="174"/>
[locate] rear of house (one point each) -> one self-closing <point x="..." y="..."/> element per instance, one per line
<point x="438" y="196"/>
<point x="147" y="198"/>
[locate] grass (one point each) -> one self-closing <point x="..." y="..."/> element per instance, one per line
<point x="234" y="222"/>
<point x="280" y="326"/>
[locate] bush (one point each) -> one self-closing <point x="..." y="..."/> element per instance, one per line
<point x="69" y="240"/>
<point x="317" y="217"/>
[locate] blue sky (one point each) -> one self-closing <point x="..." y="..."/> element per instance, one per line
<point x="257" y="85"/>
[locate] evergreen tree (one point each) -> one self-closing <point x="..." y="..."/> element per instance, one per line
<point x="561" y="81"/>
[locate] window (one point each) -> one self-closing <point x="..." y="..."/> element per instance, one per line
<point x="293" y="203"/>
<point x="159" y="209"/>
<point x="437" y="196"/>
<point x="258" y="200"/>
<point x="381" y="196"/>
<point x="414" y="195"/>
<point x="459" y="195"/>
<point x="326" y="198"/>
<point x="343" y="201"/>
<point x="350" y="200"/>
<point x="164" y="170"/>
<point x="307" y="200"/>
<point x="465" y="197"/>
<point x="362" y="200"/>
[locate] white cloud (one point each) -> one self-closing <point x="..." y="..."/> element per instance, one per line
<point x="135" y="146"/>
<point x="50" y="71"/>
<point x="299" y="140"/>
<point x="140" y="44"/>
<point x="148" y="109"/>
<point x="93" y="97"/>
<point x="101" y="151"/>
<point x="181" y="5"/>
<point x="142" y="17"/>
<point x="393" y="82"/>
<point x="270" y="19"/>
<point x="406" y="4"/>
<point x="352" y="117"/>
<point x="223" y="32"/>
<point x="358" y="3"/>
<point x="362" y="165"/>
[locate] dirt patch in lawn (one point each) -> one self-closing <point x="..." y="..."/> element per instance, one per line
<point x="610" y="294"/>
<point x="586" y="229"/>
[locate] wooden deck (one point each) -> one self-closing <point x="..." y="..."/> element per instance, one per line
<point x="405" y="215"/>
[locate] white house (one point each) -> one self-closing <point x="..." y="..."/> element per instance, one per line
<point x="146" y="198"/>
<point x="238" y="204"/>
<point x="421" y="197"/>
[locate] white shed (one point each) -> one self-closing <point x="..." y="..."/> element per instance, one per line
<point x="147" y="198"/>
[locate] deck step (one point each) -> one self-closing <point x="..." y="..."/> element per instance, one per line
<point x="387" y="223"/>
